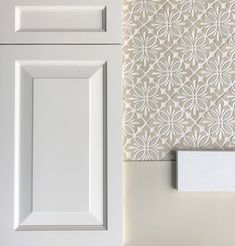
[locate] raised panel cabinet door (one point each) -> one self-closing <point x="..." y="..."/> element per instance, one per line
<point x="60" y="145"/>
<point x="60" y="21"/>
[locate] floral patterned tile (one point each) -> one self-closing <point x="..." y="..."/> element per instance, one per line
<point x="178" y="77"/>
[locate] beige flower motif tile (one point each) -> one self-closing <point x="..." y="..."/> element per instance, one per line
<point x="178" y="77"/>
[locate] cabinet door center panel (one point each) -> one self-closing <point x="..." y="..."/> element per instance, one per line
<point x="61" y="145"/>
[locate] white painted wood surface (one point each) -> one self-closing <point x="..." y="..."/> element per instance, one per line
<point x="60" y="155"/>
<point x="60" y="21"/>
<point x="205" y="170"/>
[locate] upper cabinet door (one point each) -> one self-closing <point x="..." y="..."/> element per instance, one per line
<point x="60" y="21"/>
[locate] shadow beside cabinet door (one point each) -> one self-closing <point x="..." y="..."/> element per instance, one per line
<point x="60" y="157"/>
<point x="74" y="21"/>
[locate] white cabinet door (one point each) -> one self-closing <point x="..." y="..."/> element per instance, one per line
<point x="60" y="146"/>
<point x="60" y="21"/>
